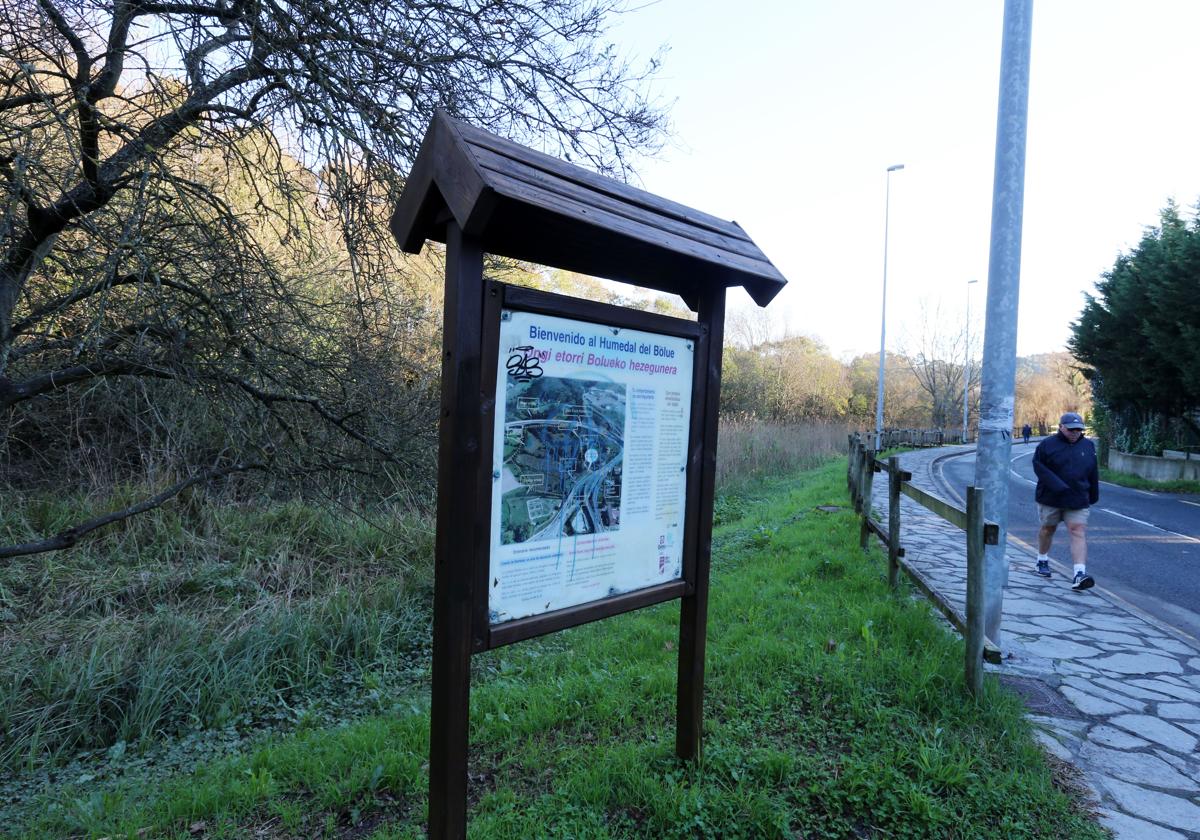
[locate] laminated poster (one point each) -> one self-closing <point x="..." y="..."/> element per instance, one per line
<point x="590" y="466"/>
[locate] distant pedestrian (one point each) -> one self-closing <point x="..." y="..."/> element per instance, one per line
<point x="1026" y="432"/>
<point x="1068" y="483"/>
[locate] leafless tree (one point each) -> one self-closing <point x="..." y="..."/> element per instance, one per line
<point x="1048" y="384"/>
<point x="936" y="352"/>
<point x="750" y="327"/>
<point x="192" y="233"/>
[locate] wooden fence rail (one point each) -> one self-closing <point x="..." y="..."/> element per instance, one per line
<point x="890" y="438"/>
<point x="861" y="468"/>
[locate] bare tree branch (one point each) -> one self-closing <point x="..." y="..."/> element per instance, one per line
<point x="194" y="196"/>
<point x="72" y="535"/>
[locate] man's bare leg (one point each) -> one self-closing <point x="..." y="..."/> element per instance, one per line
<point x="1045" y="538"/>
<point x="1082" y="580"/>
<point x="1078" y="532"/>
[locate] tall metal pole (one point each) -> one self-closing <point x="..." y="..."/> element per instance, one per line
<point x="1004" y="272"/>
<point x="887" y="199"/>
<point x="967" y="355"/>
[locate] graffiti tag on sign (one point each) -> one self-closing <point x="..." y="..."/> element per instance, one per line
<point x="523" y="364"/>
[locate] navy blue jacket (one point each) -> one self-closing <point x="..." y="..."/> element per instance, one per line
<point x="1068" y="476"/>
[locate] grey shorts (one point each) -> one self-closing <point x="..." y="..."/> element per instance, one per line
<point x="1052" y="515"/>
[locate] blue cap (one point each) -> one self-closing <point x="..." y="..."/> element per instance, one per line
<point x="1071" y="420"/>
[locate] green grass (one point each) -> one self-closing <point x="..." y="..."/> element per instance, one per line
<point x="193" y="618"/>
<point x="833" y="708"/>
<point x="1139" y="483"/>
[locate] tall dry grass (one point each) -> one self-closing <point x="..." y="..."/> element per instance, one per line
<point x="750" y="448"/>
<point x="195" y="616"/>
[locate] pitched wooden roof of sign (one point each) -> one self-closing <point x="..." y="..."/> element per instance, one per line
<point x="523" y="204"/>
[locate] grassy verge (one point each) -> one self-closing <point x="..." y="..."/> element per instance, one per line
<point x="195" y="619"/>
<point x="1139" y="483"/>
<point x="206" y="617"/>
<point x="834" y="709"/>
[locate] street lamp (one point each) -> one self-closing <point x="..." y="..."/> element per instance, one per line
<point x="883" y="316"/>
<point x="967" y="365"/>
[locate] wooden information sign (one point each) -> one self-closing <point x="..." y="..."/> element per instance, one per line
<point x="577" y="445"/>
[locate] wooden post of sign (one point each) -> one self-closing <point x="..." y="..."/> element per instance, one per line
<point x="693" y="611"/>
<point x="458" y="460"/>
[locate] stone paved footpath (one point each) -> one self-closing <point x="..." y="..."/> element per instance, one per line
<point x="1112" y="691"/>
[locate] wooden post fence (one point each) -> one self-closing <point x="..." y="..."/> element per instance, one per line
<point x="978" y="531"/>
<point x="868" y="479"/>
<point x="893" y="541"/>
<point x="975" y="613"/>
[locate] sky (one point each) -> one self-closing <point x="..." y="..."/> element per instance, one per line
<point x="785" y="116"/>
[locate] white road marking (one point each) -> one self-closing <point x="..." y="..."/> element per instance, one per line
<point x="1131" y="489"/>
<point x="1014" y="473"/>
<point x="1150" y="525"/>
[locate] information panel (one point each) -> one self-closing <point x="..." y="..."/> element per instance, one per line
<point x="590" y="468"/>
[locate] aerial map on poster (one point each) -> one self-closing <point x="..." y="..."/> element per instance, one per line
<point x="590" y="469"/>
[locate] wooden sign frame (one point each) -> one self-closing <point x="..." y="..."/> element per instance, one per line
<point x="486" y="635"/>
<point x="461" y="626"/>
<point x="523" y="204"/>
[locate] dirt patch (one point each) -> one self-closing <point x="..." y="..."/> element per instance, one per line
<point x="1068" y="778"/>
<point x="1039" y="697"/>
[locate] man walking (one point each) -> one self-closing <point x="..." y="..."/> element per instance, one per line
<point x="1068" y="482"/>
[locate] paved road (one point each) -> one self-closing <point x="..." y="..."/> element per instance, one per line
<point x="1143" y="547"/>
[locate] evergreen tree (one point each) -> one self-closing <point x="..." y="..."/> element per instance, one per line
<point x="1140" y="333"/>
